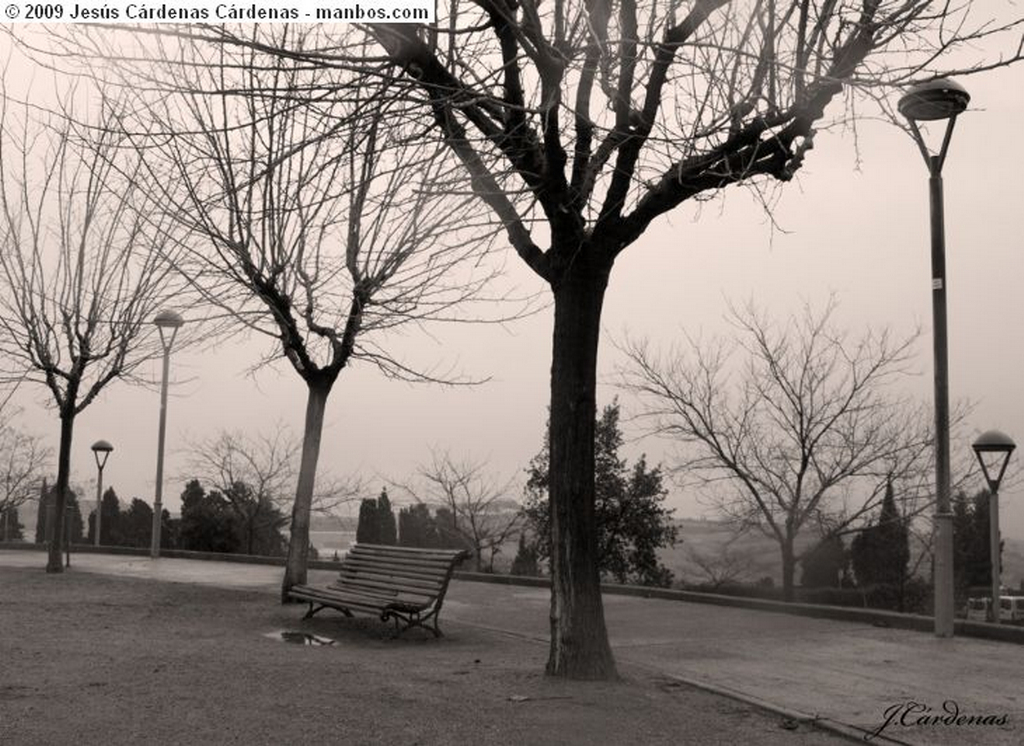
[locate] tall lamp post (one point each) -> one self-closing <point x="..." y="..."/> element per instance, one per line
<point x="168" y="323"/>
<point x="100" y="447"/>
<point x="939" y="99"/>
<point x="992" y="447"/>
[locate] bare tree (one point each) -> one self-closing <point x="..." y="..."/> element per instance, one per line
<point x="806" y="429"/>
<point x="253" y="474"/>
<point x="256" y="475"/>
<point x="81" y="276"/>
<point x="484" y="513"/>
<point x="23" y="459"/>
<point x="722" y="567"/>
<point x="309" y="221"/>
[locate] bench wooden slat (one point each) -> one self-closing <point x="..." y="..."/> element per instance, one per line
<point x="351" y="604"/>
<point x="377" y="587"/>
<point x="429" y="566"/>
<point x="371" y="601"/>
<point x="368" y="596"/>
<point x="346" y="576"/>
<point x="389" y="569"/>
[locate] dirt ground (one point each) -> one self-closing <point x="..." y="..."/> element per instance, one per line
<point x="91" y="659"/>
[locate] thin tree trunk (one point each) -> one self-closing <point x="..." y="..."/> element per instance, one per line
<point x="54" y="562"/>
<point x="298" y="546"/>
<point x="788" y="570"/>
<point x="579" y="639"/>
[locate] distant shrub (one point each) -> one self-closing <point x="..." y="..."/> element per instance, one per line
<point x="916" y="594"/>
<point x="742" y="590"/>
<point x="913" y="598"/>
<point x="830" y="596"/>
<point x="525" y="562"/>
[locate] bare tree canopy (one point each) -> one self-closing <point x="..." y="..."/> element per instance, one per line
<point x="82" y="273"/>
<point x="23" y="458"/>
<point x="807" y="427"/>
<point x="306" y="218"/>
<point x="722" y="565"/>
<point x="310" y="211"/>
<point x="267" y="464"/>
<point x="484" y="511"/>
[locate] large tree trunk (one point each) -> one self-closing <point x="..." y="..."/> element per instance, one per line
<point x="298" y="545"/>
<point x="579" y="640"/>
<point x="788" y="569"/>
<point x="57" y="530"/>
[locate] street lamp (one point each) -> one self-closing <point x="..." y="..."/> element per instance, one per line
<point x="168" y="323"/>
<point x="992" y="447"/>
<point x="937" y="100"/>
<point x="99" y="447"/>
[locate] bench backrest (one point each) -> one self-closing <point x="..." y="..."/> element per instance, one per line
<point x="413" y="573"/>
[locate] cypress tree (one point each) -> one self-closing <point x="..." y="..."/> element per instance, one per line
<point x="44" y="501"/>
<point x="881" y="552"/>
<point x="526" y="560"/>
<point x="416" y="527"/>
<point x="111" y="524"/>
<point x="407" y="534"/>
<point x="368" y="529"/>
<point x="824" y="565"/>
<point x="11" y="525"/>
<point x="388" y="531"/>
<point x="136" y="524"/>
<point x="73" y="526"/>
<point x="972" y="561"/>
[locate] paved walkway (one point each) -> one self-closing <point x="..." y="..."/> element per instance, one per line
<point x="845" y="673"/>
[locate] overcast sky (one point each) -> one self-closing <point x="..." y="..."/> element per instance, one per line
<point x="856" y="225"/>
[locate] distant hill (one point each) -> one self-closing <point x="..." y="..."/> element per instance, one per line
<point x="331" y="522"/>
<point x="759" y="554"/>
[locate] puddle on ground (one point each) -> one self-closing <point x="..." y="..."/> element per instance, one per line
<point x="299" y="638"/>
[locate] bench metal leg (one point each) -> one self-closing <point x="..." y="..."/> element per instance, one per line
<point x="412" y="620"/>
<point x="313" y="611"/>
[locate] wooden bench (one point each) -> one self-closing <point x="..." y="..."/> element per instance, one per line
<point x="400" y="583"/>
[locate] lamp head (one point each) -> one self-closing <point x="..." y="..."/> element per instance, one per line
<point x="991" y="447"/>
<point x="102" y="446"/>
<point x="940" y="98"/>
<point x="101" y="452"/>
<point x="168" y="320"/>
<point x="993" y="441"/>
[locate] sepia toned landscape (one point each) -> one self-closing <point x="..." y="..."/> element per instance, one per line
<point x="603" y="371"/>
